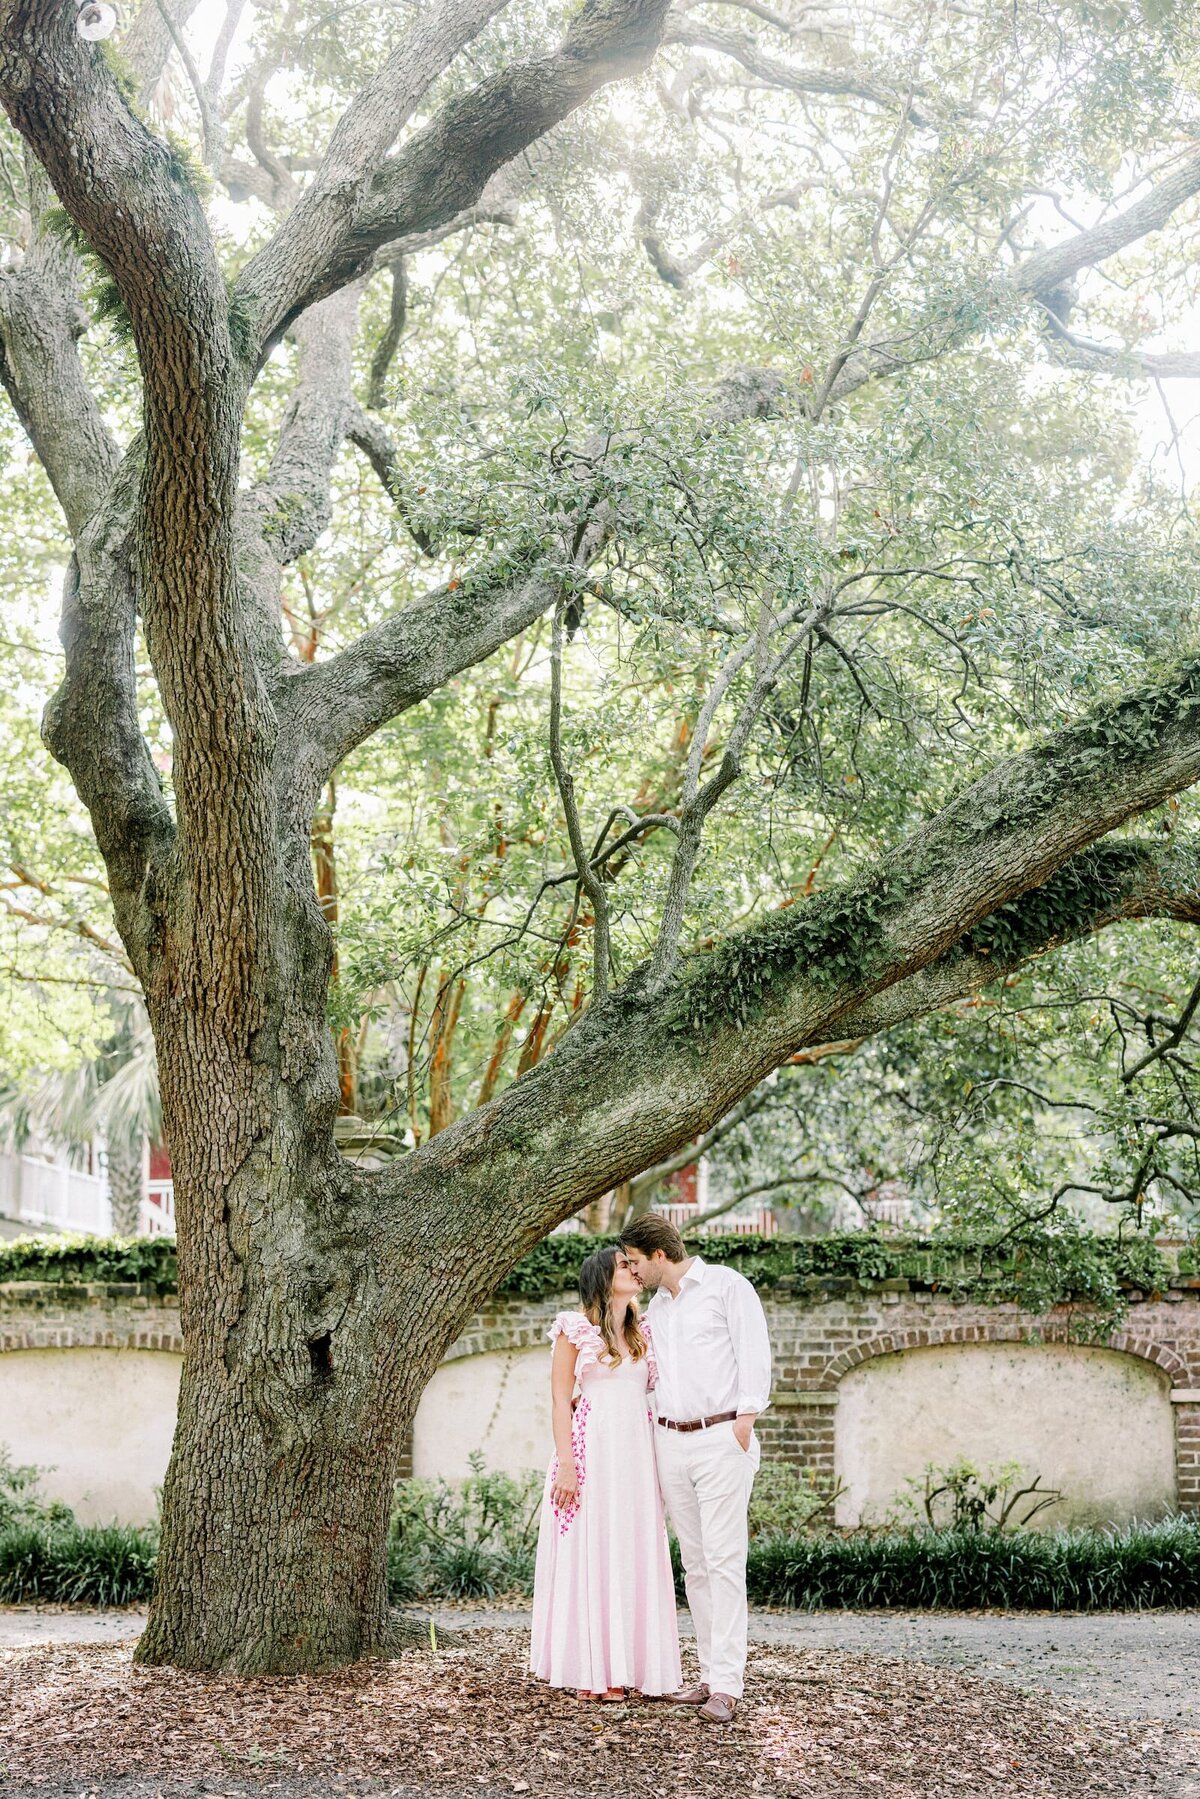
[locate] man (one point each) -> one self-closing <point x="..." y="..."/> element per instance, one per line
<point x="714" y="1377"/>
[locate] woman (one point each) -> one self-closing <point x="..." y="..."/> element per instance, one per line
<point x="603" y="1594"/>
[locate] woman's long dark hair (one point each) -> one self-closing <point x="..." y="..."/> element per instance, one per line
<point x="595" y="1290"/>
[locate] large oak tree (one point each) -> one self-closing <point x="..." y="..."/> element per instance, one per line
<point x="318" y="1297"/>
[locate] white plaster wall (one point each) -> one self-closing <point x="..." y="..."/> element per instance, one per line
<point x="99" y="1420"/>
<point x="1093" y="1422"/>
<point x="498" y="1403"/>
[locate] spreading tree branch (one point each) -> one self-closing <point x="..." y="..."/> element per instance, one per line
<point x="336" y="704"/>
<point x="294" y="502"/>
<point x="1037" y="277"/>
<point x="133" y="199"/>
<point x="314" y="234"/>
<point x="743" y="49"/>
<point x="1076" y="352"/>
<point x="589" y="878"/>
<point x="645" y="1072"/>
<point x="41" y="320"/>
<point x="353" y="211"/>
<point x="146" y="47"/>
<point x="1045" y="271"/>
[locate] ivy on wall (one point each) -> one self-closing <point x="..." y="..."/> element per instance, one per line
<point x="148" y="1260"/>
<point x="1037" y="1270"/>
<point x="1041" y="1269"/>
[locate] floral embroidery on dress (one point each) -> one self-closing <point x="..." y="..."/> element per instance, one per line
<point x="651" y="1364"/>
<point x="567" y="1514"/>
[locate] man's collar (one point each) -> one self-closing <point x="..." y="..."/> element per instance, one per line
<point x="696" y="1272"/>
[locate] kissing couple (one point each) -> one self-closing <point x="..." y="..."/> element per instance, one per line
<point x="650" y="1412"/>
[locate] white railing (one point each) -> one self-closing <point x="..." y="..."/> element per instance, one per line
<point x="36" y="1192"/>
<point x="894" y="1209"/>
<point x="759" y="1222"/>
<point x="157" y="1217"/>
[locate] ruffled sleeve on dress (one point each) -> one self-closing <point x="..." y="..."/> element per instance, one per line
<point x="583" y="1334"/>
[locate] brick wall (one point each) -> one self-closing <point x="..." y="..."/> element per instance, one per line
<point x="817" y="1337"/>
<point x="817" y="1343"/>
<point x="91" y="1315"/>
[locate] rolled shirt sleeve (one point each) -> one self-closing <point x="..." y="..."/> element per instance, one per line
<point x="751" y="1345"/>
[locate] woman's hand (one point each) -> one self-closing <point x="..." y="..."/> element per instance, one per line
<point x="565" y="1490"/>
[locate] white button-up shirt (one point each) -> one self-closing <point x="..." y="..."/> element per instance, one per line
<point x="711" y="1345"/>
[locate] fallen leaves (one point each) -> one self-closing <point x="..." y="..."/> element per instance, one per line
<point x="814" y="1725"/>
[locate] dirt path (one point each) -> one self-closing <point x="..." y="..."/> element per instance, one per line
<point x="1139" y="1665"/>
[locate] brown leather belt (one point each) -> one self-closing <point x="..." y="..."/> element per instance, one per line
<point x="699" y="1423"/>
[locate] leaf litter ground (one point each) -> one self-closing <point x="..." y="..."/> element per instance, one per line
<point x="83" y="1720"/>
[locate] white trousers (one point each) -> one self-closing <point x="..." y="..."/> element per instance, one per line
<point x="706" y="1477"/>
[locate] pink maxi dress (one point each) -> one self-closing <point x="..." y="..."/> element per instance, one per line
<point x="603" y="1594"/>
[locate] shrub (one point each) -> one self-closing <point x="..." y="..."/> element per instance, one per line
<point x="1082" y="1570"/>
<point x="786" y="1500"/>
<point x="61" y="1563"/>
<point x="21" y="1500"/>
<point x="964" y="1497"/>
<point x="69" y="1259"/>
<point x="463" y="1540"/>
<point x="479" y="1539"/>
<point x="1036" y="1269"/>
<point x="407" y="1572"/>
<point x="47" y="1555"/>
<point x="468" y="1571"/>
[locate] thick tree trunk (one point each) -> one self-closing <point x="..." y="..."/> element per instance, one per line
<point x="275" y="1501"/>
<point x="273" y="1555"/>
<point x="274" y="1548"/>
<point x="300" y="1374"/>
<point x="309" y="1331"/>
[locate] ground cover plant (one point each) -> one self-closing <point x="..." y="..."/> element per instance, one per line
<point x="47" y="1556"/>
<point x="1132" y="1567"/>
<point x="476" y="1540"/>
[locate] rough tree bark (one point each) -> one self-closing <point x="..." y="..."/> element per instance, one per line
<point x="316" y="1299"/>
<point x="124" y="1156"/>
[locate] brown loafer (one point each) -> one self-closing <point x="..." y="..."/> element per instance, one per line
<point x="718" y="1709"/>
<point x="688" y="1695"/>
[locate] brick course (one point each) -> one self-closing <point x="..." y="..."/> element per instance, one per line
<point x="817" y="1337"/>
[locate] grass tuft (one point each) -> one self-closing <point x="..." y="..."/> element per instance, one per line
<point x="76" y="1564"/>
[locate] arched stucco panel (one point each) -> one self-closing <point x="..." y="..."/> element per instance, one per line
<point x="1095" y="1423"/>
<point x="497" y="1403"/>
<point x="99" y="1421"/>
